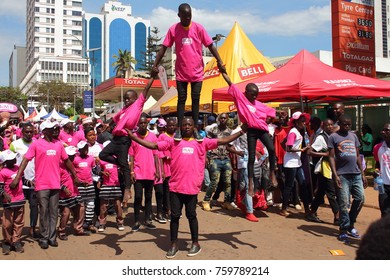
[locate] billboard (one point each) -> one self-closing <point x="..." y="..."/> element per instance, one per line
<point x="88" y="101"/>
<point x="353" y="36"/>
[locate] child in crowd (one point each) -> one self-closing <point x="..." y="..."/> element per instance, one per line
<point x="70" y="201"/>
<point x="13" y="204"/>
<point x="83" y="164"/>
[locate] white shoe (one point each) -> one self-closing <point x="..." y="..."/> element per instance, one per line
<point x="298" y="207"/>
<point x="234" y="205"/>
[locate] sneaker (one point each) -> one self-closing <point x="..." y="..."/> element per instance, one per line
<point x="136" y="227"/>
<point x="149" y="226"/>
<point x="313" y="218"/>
<point x="172" y="252"/>
<point x="6" y="248"/>
<point x="92" y="228"/>
<point x="177" y="135"/>
<point x="167" y="217"/>
<point x="18" y="247"/>
<point x="159" y="218"/>
<point x="298" y="207"/>
<point x="197" y="136"/>
<point x="228" y="206"/>
<point x="343" y="237"/>
<point x="195" y="249"/>
<point x="63" y="237"/>
<point x="353" y="233"/>
<point x="121" y="227"/>
<point x="206" y="205"/>
<point x="82" y="233"/>
<point x="101" y="228"/>
<point x="251" y="217"/>
<point x="234" y="205"/>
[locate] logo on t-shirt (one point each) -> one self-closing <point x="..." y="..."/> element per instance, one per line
<point x="13" y="176"/>
<point x="251" y="109"/>
<point x="109" y="166"/>
<point x="51" y="152"/>
<point x="83" y="164"/>
<point x="186" y="41"/>
<point x="347" y="149"/>
<point x="70" y="139"/>
<point x="188" y="151"/>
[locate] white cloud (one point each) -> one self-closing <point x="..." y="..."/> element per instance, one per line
<point x="13" y="8"/>
<point x="307" y="22"/>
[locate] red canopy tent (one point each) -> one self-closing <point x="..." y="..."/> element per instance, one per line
<point x="306" y="79"/>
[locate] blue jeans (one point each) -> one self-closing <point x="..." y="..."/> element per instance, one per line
<point x="351" y="184"/>
<point x="216" y="167"/>
<point x="243" y="187"/>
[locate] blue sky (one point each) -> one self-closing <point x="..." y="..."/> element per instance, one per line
<point x="277" y="28"/>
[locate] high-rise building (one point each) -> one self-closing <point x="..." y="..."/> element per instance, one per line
<point x="382" y="28"/>
<point x="17" y="65"/>
<point x="54" y="47"/>
<point x="113" y="29"/>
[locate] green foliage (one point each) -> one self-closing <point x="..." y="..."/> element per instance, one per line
<point x="123" y="63"/>
<point x="54" y="93"/>
<point x="13" y="95"/>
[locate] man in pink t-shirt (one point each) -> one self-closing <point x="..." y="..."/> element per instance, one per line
<point x="188" y="37"/>
<point x="254" y="114"/>
<point x="48" y="153"/>
<point x="187" y="170"/>
<point x="116" y="152"/>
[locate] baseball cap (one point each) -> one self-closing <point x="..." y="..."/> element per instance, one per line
<point x="152" y="121"/>
<point x="65" y="122"/>
<point x="211" y="119"/>
<point x="81" y="144"/>
<point x="296" y="116"/>
<point x="87" y="120"/>
<point x="47" y="124"/>
<point x="71" y="150"/>
<point x="161" y="123"/>
<point x="7" y="155"/>
<point x="106" y="143"/>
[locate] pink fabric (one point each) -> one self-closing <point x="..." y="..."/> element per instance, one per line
<point x="78" y="136"/>
<point x="144" y="167"/>
<point x="128" y="117"/>
<point x="68" y="139"/>
<point x="291" y="137"/>
<point x="83" y="167"/>
<point x="189" y="65"/>
<point x="67" y="181"/>
<point x="253" y="114"/>
<point x="375" y="151"/>
<point x="188" y="161"/>
<point x="167" y="158"/>
<point x="112" y="170"/>
<point x="48" y="156"/>
<point x="6" y="177"/>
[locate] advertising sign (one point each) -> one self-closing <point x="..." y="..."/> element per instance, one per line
<point x="88" y="101"/>
<point x="353" y="36"/>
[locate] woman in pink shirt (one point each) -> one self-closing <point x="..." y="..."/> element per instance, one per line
<point x="186" y="179"/>
<point x="254" y="114"/>
<point x="188" y="37"/>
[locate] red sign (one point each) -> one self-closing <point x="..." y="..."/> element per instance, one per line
<point x="353" y="35"/>
<point x="213" y="72"/>
<point x="251" y="71"/>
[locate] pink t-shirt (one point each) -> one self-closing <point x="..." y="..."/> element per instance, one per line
<point x="67" y="181"/>
<point x="112" y="170"/>
<point x="68" y="139"/>
<point x="48" y="156"/>
<point x="189" y="65"/>
<point x="253" y="114"/>
<point x="78" y="136"/>
<point x="83" y="168"/>
<point x="144" y="167"/>
<point x="128" y="117"/>
<point x="187" y="166"/>
<point x="6" y="176"/>
<point x="167" y="157"/>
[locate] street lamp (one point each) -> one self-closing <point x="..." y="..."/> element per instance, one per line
<point x="93" y="77"/>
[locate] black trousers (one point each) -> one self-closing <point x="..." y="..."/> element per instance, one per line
<point x="196" y="87"/>
<point x="139" y="187"/>
<point x="177" y="202"/>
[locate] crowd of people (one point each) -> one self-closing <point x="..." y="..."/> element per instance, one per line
<point x="88" y="170"/>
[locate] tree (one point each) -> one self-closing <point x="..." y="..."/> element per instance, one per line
<point x="54" y="94"/>
<point x="123" y="64"/>
<point x="13" y="95"/>
<point x="152" y="47"/>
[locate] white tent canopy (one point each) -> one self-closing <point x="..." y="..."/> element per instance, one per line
<point x="55" y="115"/>
<point x="42" y="112"/>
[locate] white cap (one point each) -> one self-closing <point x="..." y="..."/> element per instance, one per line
<point x="87" y="120"/>
<point x="65" y="122"/>
<point x="81" y="144"/>
<point x="47" y="124"/>
<point x="7" y="155"/>
<point x="71" y="150"/>
<point x="106" y="143"/>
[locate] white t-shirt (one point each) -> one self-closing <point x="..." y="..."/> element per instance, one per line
<point x="384" y="160"/>
<point x="20" y="147"/>
<point x="293" y="159"/>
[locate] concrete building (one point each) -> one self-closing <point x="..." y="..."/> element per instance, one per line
<point x="17" y="65"/>
<point x="54" y="44"/>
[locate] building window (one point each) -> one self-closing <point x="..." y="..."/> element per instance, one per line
<point x="64" y="41"/>
<point x="64" y="12"/>
<point x="76" y="23"/>
<point x="36" y="29"/>
<point x="36" y="19"/>
<point x="37" y="9"/>
<point x="65" y="2"/>
<point x="76" y="4"/>
<point x="76" y="13"/>
<point x="76" y="32"/>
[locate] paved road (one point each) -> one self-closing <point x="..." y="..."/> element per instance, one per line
<point x="224" y="235"/>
